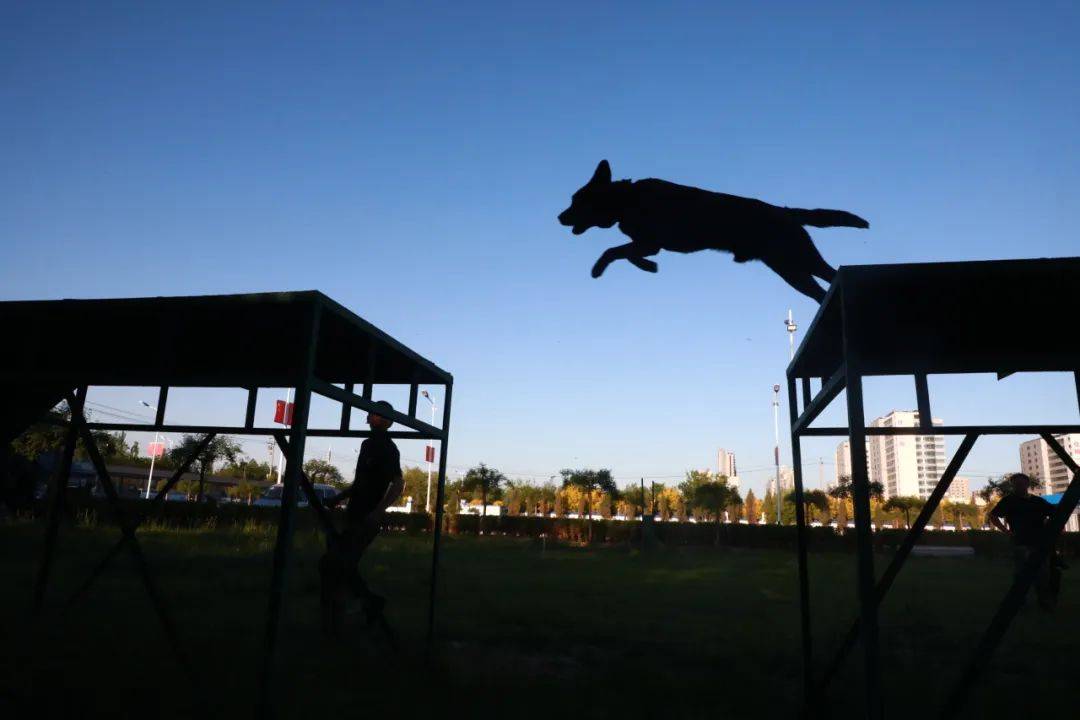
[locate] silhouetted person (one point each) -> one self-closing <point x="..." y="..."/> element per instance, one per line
<point x="1024" y="516"/>
<point x="659" y="215"/>
<point x="377" y="484"/>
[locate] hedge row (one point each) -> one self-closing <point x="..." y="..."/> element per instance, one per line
<point x="986" y="543"/>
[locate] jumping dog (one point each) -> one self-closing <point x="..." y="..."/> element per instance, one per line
<point x="659" y="215"/>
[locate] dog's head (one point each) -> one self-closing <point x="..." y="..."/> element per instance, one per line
<point x="593" y="205"/>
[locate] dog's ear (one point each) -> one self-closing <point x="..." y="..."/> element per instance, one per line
<point x="602" y="174"/>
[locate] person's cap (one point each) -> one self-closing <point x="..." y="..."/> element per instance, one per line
<point x="382" y="408"/>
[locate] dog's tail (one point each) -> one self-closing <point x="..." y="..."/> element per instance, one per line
<point x="827" y="218"/>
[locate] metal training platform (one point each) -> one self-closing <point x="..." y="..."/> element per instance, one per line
<point x="918" y="320"/>
<point x="300" y="340"/>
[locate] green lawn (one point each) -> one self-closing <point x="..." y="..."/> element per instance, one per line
<point x="601" y="631"/>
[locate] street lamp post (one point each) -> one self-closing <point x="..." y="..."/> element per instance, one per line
<point x="776" y="450"/>
<point x="430" y="452"/>
<point x="153" y="453"/>
<point x="791" y="328"/>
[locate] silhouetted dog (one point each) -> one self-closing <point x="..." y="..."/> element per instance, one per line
<point x="659" y="215"/>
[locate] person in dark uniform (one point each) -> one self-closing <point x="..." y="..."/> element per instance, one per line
<point x="377" y="484"/>
<point x="1022" y="516"/>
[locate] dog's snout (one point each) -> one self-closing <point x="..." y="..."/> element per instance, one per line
<point x="563" y="217"/>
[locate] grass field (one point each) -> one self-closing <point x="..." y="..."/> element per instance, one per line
<point x="523" y="631"/>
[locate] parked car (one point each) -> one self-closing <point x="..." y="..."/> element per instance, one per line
<point x="272" y="497"/>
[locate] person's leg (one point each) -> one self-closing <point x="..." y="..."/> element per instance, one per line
<point x="1044" y="591"/>
<point x="372" y="603"/>
<point x="1020" y="554"/>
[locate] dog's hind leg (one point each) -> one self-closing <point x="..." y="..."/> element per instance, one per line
<point x="646" y="265"/>
<point x="824" y="270"/>
<point x="799" y="279"/>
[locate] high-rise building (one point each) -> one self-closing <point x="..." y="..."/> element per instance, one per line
<point x="725" y="463"/>
<point x="959" y="491"/>
<point x="1039" y="461"/>
<point x="843" y="460"/>
<point x="908" y="465"/>
<point x="787" y="481"/>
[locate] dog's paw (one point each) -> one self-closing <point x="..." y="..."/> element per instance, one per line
<point x="599" y="268"/>
<point x="648" y="266"/>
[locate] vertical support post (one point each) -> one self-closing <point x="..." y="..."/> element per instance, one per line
<point x="801" y="540"/>
<point x="58" y="498"/>
<point x="860" y="490"/>
<point x="249" y="413"/>
<point x="162" y="398"/>
<point x="807" y="397"/>
<point x="370" y="379"/>
<point x="283" y="546"/>
<point x="346" y="409"/>
<point x="440" y="495"/>
<point x="922" y="397"/>
<point x="414" y="391"/>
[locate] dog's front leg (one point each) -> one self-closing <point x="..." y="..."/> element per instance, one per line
<point x="630" y="251"/>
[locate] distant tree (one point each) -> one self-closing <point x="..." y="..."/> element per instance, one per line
<point x="904" y="504"/>
<point x="488" y="483"/>
<point x="736" y="504"/>
<point x="546" y="494"/>
<point x="768" y="507"/>
<point x="575" y="499"/>
<point x="716" y="496"/>
<point x="245" y="491"/>
<point x="560" y="504"/>
<point x="963" y="510"/>
<point x="42" y="438"/>
<point x="220" y="448"/>
<point x="678" y="506"/>
<point x="812" y="500"/>
<point x="247" y="469"/>
<point x="527" y="496"/>
<point x="415" y="480"/>
<point x="588" y="481"/>
<point x="320" y="471"/>
<point x="842" y="493"/>
<point x="751" y="507"/>
<point x="691" y="482"/>
<point x="664" y="508"/>
<point x="512" y="500"/>
<point x="603" y="505"/>
<point x="635" y="495"/>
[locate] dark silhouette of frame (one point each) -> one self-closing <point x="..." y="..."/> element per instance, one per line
<point x="922" y="319"/>
<point x="303" y="340"/>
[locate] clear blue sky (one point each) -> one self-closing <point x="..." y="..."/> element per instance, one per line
<point x="409" y="161"/>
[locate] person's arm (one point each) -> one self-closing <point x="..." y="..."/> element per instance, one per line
<point x="994" y="516"/>
<point x="393" y="492"/>
<point x="334" y="501"/>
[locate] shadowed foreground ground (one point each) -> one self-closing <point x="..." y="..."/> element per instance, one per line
<point x="524" y="633"/>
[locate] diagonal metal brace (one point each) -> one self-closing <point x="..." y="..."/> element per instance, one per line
<point x="1014" y="598"/>
<point x="155" y="503"/>
<point x="902" y="553"/>
<point x="136" y="550"/>
<point x="321" y="511"/>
